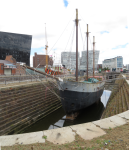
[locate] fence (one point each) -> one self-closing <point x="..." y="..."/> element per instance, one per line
<point x="21" y="78"/>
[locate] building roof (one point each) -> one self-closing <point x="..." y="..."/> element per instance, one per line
<point x="11" y="65"/>
<point x="113" y="58"/>
<point x="5" y="62"/>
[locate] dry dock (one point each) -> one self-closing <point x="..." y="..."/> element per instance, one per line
<point x="22" y="104"/>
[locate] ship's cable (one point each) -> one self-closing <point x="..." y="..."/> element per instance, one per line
<point x="47" y="87"/>
<point x="61" y="33"/>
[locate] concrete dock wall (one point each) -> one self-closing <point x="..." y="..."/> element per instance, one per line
<point x="119" y="99"/>
<point x="21" y="106"/>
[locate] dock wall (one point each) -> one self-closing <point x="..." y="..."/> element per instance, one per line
<point x="119" y="99"/>
<point x="86" y="131"/>
<point x="23" y="105"/>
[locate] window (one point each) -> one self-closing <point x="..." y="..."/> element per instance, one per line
<point x="119" y="62"/>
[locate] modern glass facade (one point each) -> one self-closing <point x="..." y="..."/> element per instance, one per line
<point x="17" y="45"/>
<point x="119" y="62"/>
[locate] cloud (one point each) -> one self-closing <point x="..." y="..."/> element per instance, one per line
<point x="121" y="46"/>
<point x="102" y="32"/>
<point x="29" y="17"/>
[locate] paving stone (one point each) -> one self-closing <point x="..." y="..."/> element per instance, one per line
<point x="124" y="114"/>
<point x="118" y="120"/>
<point x="60" y="135"/>
<point x="88" y="131"/>
<point x="105" y="123"/>
<point x="27" y="138"/>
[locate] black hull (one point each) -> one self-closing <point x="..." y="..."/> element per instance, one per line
<point x="73" y="101"/>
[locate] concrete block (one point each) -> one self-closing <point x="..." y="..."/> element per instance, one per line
<point x="118" y="120"/>
<point x="27" y="138"/>
<point x="60" y="135"/>
<point x="124" y="114"/>
<point x="88" y="131"/>
<point x="105" y="123"/>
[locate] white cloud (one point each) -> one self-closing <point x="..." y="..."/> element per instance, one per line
<point x="30" y="16"/>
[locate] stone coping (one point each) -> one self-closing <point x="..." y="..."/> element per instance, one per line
<point x="64" y="135"/>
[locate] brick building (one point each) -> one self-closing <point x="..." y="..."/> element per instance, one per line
<point x="11" y="59"/>
<point x="40" y="61"/>
<point x="7" y="68"/>
<point x="20" y="70"/>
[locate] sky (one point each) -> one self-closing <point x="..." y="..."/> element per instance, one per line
<point x="108" y="21"/>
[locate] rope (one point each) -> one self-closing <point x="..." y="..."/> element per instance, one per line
<point x="58" y="38"/>
<point x="71" y="46"/>
<point x="70" y="37"/>
<point x="61" y="33"/>
<point x="46" y="87"/>
<point x="82" y="17"/>
<point x="81" y="36"/>
<point x="91" y="43"/>
<point x="82" y="40"/>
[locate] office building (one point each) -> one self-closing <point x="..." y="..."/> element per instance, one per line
<point x="68" y="60"/>
<point x="127" y="67"/>
<point x="17" y="45"/>
<point x="114" y="64"/>
<point x="83" y="60"/>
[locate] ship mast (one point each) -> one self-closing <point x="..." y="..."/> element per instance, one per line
<point x="87" y="51"/>
<point x="46" y="46"/>
<point x="93" y="54"/>
<point x="76" y="20"/>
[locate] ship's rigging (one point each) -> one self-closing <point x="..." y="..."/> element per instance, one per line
<point x="46" y="47"/>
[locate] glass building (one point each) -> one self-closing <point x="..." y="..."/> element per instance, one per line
<point x="114" y="64"/>
<point x="17" y="45"/>
<point x="119" y="62"/>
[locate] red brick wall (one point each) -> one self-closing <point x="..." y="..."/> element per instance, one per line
<point x="41" y="59"/>
<point x="11" y="59"/>
<point x="20" y="70"/>
<point x="1" y="70"/>
<point x="13" y="71"/>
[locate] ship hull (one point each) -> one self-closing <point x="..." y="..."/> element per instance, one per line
<point x="74" y="99"/>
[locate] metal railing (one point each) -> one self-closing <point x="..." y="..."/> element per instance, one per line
<point x="21" y="78"/>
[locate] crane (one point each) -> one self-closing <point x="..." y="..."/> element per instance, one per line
<point x="46" y="46"/>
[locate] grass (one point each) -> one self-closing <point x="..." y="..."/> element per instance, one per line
<point x="44" y="137"/>
<point x="116" y="138"/>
